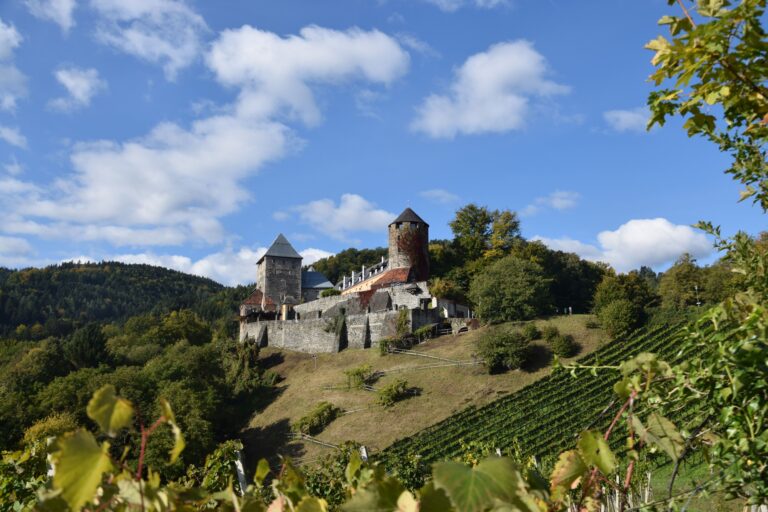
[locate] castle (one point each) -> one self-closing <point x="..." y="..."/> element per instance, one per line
<point x="286" y="310"/>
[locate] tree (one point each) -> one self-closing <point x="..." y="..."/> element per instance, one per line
<point x="471" y="230"/>
<point x="502" y="348"/>
<point x="620" y="317"/>
<point x="681" y="285"/>
<point x="510" y="289"/>
<point x="630" y="287"/>
<point x="86" y="347"/>
<point x="505" y="230"/>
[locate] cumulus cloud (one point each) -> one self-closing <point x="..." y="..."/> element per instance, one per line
<point x="454" y="5"/>
<point x="13" y="167"/>
<point x="13" y="83"/>
<point x="651" y="242"/>
<point x="81" y="85"/>
<point x="557" y="200"/>
<point x="14" y="252"/>
<point x="57" y="11"/>
<point x="13" y="136"/>
<point x="491" y="93"/>
<point x="164" y="32"/>
<point x="276" y="72"/>
<point x="439" y="195"/>
<point x="175" y="183"/>
<point x="634" y="120"/>
<point x="352" y="213"/>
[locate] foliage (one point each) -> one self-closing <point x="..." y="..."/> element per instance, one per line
<point x="425" y="332"/>
<point x="317" y="419"/>
<point x="358" y="377"/>
<point x="510" y="289"/>
<point x="631" y="287"/>
<point x="86" y="347"/>
<point x="563" y="345"/>
<point x="387" y="344"/>
<point x="392" y="393"/>
<point x="531" y="332"/>
<point x="502" y="348"/>
<point x="51" y="426"/>
<point x="219" y="470"/>
<point x="550" y="332"/>
<point x="403" y="325"/>
<point x="680" y="285"/>
<point x="330" y="292"/>
<point x="619" y="317"/>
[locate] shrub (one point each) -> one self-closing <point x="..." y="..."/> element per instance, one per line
<point x="319" y="418"/>
<point x="391" y="393"/>
<point x="52" y="426"/>
<point x="591" y="323"/>
<point x="425" y="332"/>
<point x="329" y="292"/>
<point x="359" y="377"/>
<point x="511" y="288"/>
<point x="619" y="317"/>
<point x="563" y="345"/>
<point x="503" y="349"/>
<point x="531" y="332"/>
<point x="549" y="332"/>
<point x="386" y="343"/>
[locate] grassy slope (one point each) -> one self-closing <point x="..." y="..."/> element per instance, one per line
<point x="444" y="391"/>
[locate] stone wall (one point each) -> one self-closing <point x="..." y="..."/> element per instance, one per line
<point x="279" y="277"/>
<point x="322" y="304"/>
<point x="299" y="335"/>
<point x="403" y="298"/>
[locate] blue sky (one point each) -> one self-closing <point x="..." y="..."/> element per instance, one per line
<point x="189" y="133"/>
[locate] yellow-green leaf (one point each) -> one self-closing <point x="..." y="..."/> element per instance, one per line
<point x="79" y="465"/>
<point x="178" y="438"/>
<point x="662" y="433"/>
<point x="310" y="504"/>
<point x="109" y="411"/>
<point x="569" y="468"/>
<point x="262" y="470"/>
<point x="594" y="451"/>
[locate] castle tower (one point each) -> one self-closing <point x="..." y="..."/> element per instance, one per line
<point x="409" y="244"/>
<point x="278" y="272"/>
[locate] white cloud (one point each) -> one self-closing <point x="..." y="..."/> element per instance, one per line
<point x="634" y="120"/>
<point x="353" y="213"/>
<point x="81" y="85"/>
<point x="491" y="93"/>
<point x="174" y="184"/>
<point x="275" y="73"/>
<point x="13" y="83"/>
<point x="13" y="167"/>
<point x="10" y="39"/>
<point x="439" y="195"/>
<point x="651" y="242"/>
<point x="557" y="200"/>
<point x="12" y="246"/>
<point x="414" y="43"/>
<point x="453" y="5"/>
<point x="57" y="11"/>
<point x="164" y="32"/>
<point x="13" y="136"/>
<point x="311" y="255"/>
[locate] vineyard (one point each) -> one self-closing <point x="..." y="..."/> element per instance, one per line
<point x="544" y="418"/>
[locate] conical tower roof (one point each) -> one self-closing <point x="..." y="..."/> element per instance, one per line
<point x="281" y="248"/>
<point x="408" y="215"/>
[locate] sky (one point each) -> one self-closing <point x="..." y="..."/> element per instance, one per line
<point x="189" y="133"/>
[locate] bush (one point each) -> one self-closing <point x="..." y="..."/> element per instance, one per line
<point x="329" y="292"/>
<point x="391" y="393"/>
<point x="319" y="418"/>
<point x="503" y="349"/>
<point x="425" y="332"/>
<point x="52" y="426"/>
<point x="511" y="288"/>
<point x="550" y="332"/>
<point x="386" y="343"/>
<point x="591" y="323"/>
<point x="619" y="317"/>
<point x="531" y="332"/>
<point x="359" y="377"/>
<point x="563" y="345"/>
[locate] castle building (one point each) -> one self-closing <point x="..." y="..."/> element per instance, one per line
<point x="285" y="309"/>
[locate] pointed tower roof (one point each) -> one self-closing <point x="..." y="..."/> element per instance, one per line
<point x="281" y="248"/>
<point x="408" y="215"/>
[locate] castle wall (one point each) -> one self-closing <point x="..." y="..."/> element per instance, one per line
<point x="402" y="298"/>
<point x="322" y="304"/>
<point x="299" y="335"/>
<point x="358" y="332"/>
<point x="279" y="277"/>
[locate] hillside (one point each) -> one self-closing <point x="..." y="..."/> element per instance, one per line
<point x="71" y="294"/>
<point x="442" y="390"/>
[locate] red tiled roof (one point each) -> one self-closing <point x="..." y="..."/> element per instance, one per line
<point x="394" y="276"/>
<point x="257" y="299"/>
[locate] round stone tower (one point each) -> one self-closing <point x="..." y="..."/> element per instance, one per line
<point x="409" y="244"/>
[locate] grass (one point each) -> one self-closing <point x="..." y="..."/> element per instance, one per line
<point x="442" y="391"/>
<point x="691" y="474"/>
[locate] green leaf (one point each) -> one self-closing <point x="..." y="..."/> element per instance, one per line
<point x="178" y="443"/>
<point x="355" y="463"/>
<point x="662" y="433"/>
<point x="433" y="500"/>
<point x="79" y="465"/>
<point x="380" y="495"/>
<point x="109" y="411"/>
<point x="594" y="451"/>
<point x="494" y="480"/>
<point x="569" y="468"/>
<point x="262" y="470"/>
<point x="310" y="504"/>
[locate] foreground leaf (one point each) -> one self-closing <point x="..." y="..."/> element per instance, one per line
<point x="178" y="438"/>
<point x="79" y="465"/>
<point x="662" y="433"/>
<point x="568" y="469"/>
<point x="594" y="451"/>
<point x="380" y="495"/>
<point x="109" y="411"/>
